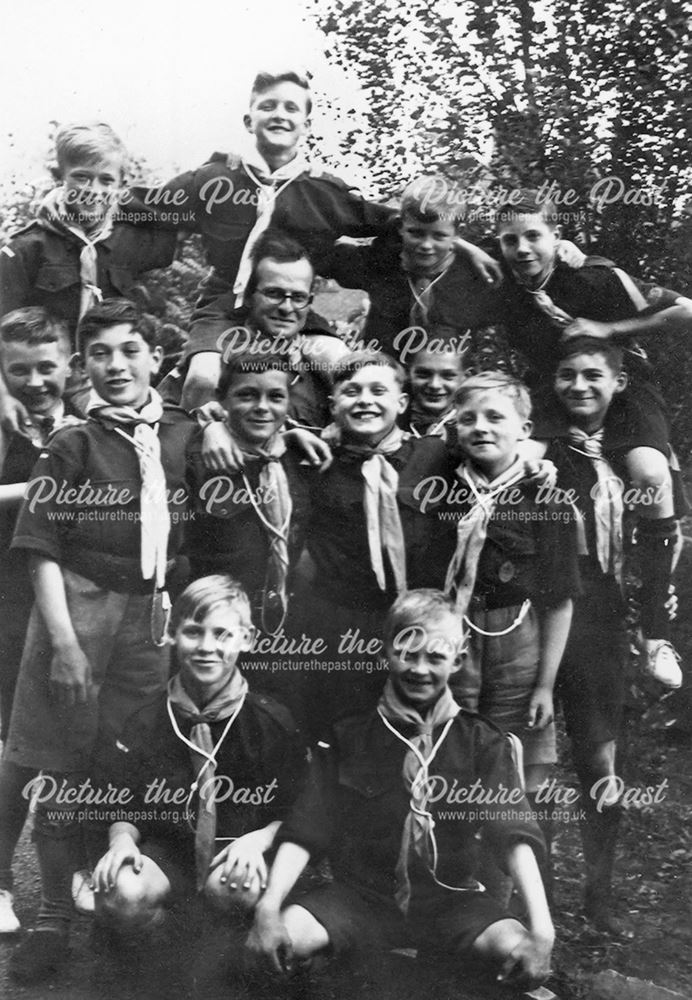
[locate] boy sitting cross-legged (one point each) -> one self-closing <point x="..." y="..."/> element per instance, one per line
<point x="102" y="522"/>
<point x="404" y="871"/>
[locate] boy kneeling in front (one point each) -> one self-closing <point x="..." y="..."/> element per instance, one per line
<point x="404" y="860"/>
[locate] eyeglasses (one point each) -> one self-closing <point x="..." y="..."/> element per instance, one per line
<point x="299" y="299"/>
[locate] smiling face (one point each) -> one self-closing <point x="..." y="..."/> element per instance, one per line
<point x="489" y="429"/>
<point x="278" y="119"/>
<point x="35" y="374"/>
<point x="422" y="657"/>
<point x="428" y="246"/>
<point x="207" y="651"/>
<point x="434" y="378"/>
<point x="272" y="314"/>
<point x="367" y="405"/>
<point x="256" y="404"/>
<point x="120" y="364"/>
<point x="585" y="385"/>
<point x="529" y="246"/>
<point x="91" y="188"/>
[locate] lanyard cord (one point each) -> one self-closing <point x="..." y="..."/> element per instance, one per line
<point x="271" y="528"/>
<point x="425" y="765"/>
<point x="210" y="758"/>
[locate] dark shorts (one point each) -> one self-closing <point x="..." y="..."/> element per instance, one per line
<point x="636" y="418"/>
<point x="591" y="679"/>
<point x="498" y="675"/>
<point x="344" y="679"/>
<point x="438" y="922"/>
<point x="128" y="670"/>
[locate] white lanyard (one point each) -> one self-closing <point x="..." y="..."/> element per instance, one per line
<point x="211" y="758"/>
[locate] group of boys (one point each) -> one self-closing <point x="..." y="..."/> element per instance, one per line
<point x="426" y="514"/>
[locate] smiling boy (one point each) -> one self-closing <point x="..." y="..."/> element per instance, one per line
<point x="35" y="363"/>
<point x="367" y="537"/>
<point x="93" y="651"/>
<point x="230" y="758"/>
<point x="434" y="377"/>
<point x="405" y="874"/>
<point x="252" y="523"/>
<point x="77" y="251"/>
<point x="591" y="681"/>
<point x="546" y="304"/>
<point x="514" y="573"/>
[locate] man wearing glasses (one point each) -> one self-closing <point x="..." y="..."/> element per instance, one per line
<point x="276" y="318"/>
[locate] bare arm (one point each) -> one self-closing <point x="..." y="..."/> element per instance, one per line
<point x="530" y="962"/>
<point x="70" y="671"/>
<point x="268" y="939"/>
<point x="555" y="623"/>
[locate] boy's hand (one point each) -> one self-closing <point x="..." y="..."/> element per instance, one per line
<point x="220" y="453"/>
<point x="268" y="941"/>
<point x="529" y="964"/>
<point x="122" y="851"/>
<point x="586" y="328"/>
<point x="570" y="254"/>
<point x="541" y="472"/>
<point x="243" y="863"/>
<point x="541" y="710"/>
<point x="482" y="263"/>
<point x="202" y="377"/>
<point x="70" y="676"/>
<point x="14" y="416"/>
<point x="316" y="451"/>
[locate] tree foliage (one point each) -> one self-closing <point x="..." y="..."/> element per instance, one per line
<point x="589" y="97"/>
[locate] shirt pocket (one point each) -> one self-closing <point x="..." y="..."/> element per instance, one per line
<point x="57" y="277"/>
<point x="360" y="778"/>
<point x="120" y="277"/>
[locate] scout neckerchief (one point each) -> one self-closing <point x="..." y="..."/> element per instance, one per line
<point x="155" y="520"/>
<point x="382" y="519"/>
<point x="273" y="506"/>
<point x="270" y="184"/>
<point x="472" y="528"/>
<point x="608" y="504"/>
<point x="225" y="705"/>
<point x="424" y="425"/>
<point x="421" y="288"/>
<point x="418" y="832"/>
<point x="53" y="209"/>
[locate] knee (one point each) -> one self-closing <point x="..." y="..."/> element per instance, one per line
<point x="137" y="898"/>
<point x="649" y="470"/>
<point x="222" y="896"/>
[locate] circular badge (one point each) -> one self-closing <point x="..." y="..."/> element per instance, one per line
<point x="506" y="572"/>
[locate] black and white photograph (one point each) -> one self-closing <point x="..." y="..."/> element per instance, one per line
<point x="346" y="500"/>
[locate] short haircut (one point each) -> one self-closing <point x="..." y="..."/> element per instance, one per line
<point x="445" y="351"/>
<point x="34" y="325"/>
<point x="265" y="81"/>
<point x="279" y="246"/>
<point x="415" y="606"/>
<point x="430" y="198"/>
<point x="113" y="312"/>
<point x="205" y="594"/>
<point x="352" y="363"/>
<point x="242" y="364"/>
<point x="87" y="144"/>
<point x="527" y="201"/>
<point x="613" y="353"/>
<point x="496" y="381"/>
